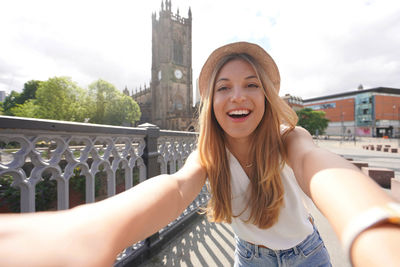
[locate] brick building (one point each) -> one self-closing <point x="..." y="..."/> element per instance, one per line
<point x="365" y="112"/>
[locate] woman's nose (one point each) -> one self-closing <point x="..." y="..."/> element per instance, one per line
<point x="238" y="95"/>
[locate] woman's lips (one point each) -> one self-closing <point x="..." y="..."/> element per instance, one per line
<point x="239" y="115"/>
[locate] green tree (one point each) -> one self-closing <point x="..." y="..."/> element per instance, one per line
<point x="28" y="109"/>
<point x="15" y="98"/>
<point x="107" y="105"/>
<point x="312" y="120"/>
<point x="12" y="100"/>
<point x="29" y="91"/>
<point x="124" y="111"/>
<point x="60" y="98"/>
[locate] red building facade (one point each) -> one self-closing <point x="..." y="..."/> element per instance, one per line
<point x="367" y="112"/>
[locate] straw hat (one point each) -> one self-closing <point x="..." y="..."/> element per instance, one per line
<point x="253" y="50"/>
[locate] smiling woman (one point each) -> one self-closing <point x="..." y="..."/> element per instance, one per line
<point x="256" y="193"/>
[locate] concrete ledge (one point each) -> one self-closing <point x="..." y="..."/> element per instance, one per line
<point x="360" y="164"/>
<point x="382" y="176"/>
<point x="395" y="188"/>
<point x="346" y="158"/>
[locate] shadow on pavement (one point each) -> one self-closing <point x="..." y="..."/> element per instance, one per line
<point x="203" y="244"/>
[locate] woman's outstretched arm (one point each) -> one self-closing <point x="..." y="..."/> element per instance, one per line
<point x="93" y="234"/>
<point x="342" y="192"/>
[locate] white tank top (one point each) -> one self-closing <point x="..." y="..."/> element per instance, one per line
<point x="292" y="226"/>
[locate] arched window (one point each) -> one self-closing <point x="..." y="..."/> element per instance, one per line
<point x="178" y="52"/>
<point x="178" y="103"/>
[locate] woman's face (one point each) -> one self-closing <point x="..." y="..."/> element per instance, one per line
<point x="239" y="100"/>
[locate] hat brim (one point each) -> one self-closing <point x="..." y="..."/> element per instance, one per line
<point x="253" y="50"/>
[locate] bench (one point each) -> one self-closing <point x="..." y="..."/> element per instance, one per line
<point x="393" y="150"/>
<point x="382" y="176"/>
<point x="360" y="164"/>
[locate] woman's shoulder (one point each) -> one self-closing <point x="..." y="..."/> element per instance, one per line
<point x="194" y="161"/>
<point x="296" y="131"/>
<point x="297" y="142"/>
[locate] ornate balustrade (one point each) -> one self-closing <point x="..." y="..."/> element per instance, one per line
<point x="33" y="151"/>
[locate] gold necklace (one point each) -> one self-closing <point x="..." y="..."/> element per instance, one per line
<point x="248" y="165"/>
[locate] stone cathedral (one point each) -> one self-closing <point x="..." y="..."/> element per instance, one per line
<point x="168" y="102"/>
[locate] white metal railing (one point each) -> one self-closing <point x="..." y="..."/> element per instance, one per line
<point x="33" y="151"/>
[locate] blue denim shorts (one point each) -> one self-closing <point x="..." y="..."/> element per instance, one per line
<point x="311" y="252"/>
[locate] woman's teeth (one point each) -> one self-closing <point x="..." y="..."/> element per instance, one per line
<point x="239" y="113"/>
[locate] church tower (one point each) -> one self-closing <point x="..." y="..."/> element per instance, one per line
<point x="171" y="69"/>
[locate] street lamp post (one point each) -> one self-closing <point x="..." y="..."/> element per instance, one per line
<point x="394" y="127"/>
<point x="342" y="130"/>
<point x="354" y="130"/>
<point x="398" y="137"/>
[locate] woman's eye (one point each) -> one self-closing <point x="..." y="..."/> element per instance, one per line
<point x="221" y="88"/>
<point x="253" y="85"/>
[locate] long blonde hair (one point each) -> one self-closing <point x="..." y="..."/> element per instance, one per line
<point x="266" y="151"/>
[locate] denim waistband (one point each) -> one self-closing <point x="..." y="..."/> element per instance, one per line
<point x="274" y="252"/>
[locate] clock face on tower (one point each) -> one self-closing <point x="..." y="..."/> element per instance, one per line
<point x="178" y="74"/>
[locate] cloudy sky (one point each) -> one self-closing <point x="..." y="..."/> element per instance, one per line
<point x="321" y="47"/>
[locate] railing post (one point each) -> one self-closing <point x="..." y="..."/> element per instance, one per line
<point x="150" y="153"/>
<point x="150" y="158"/>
